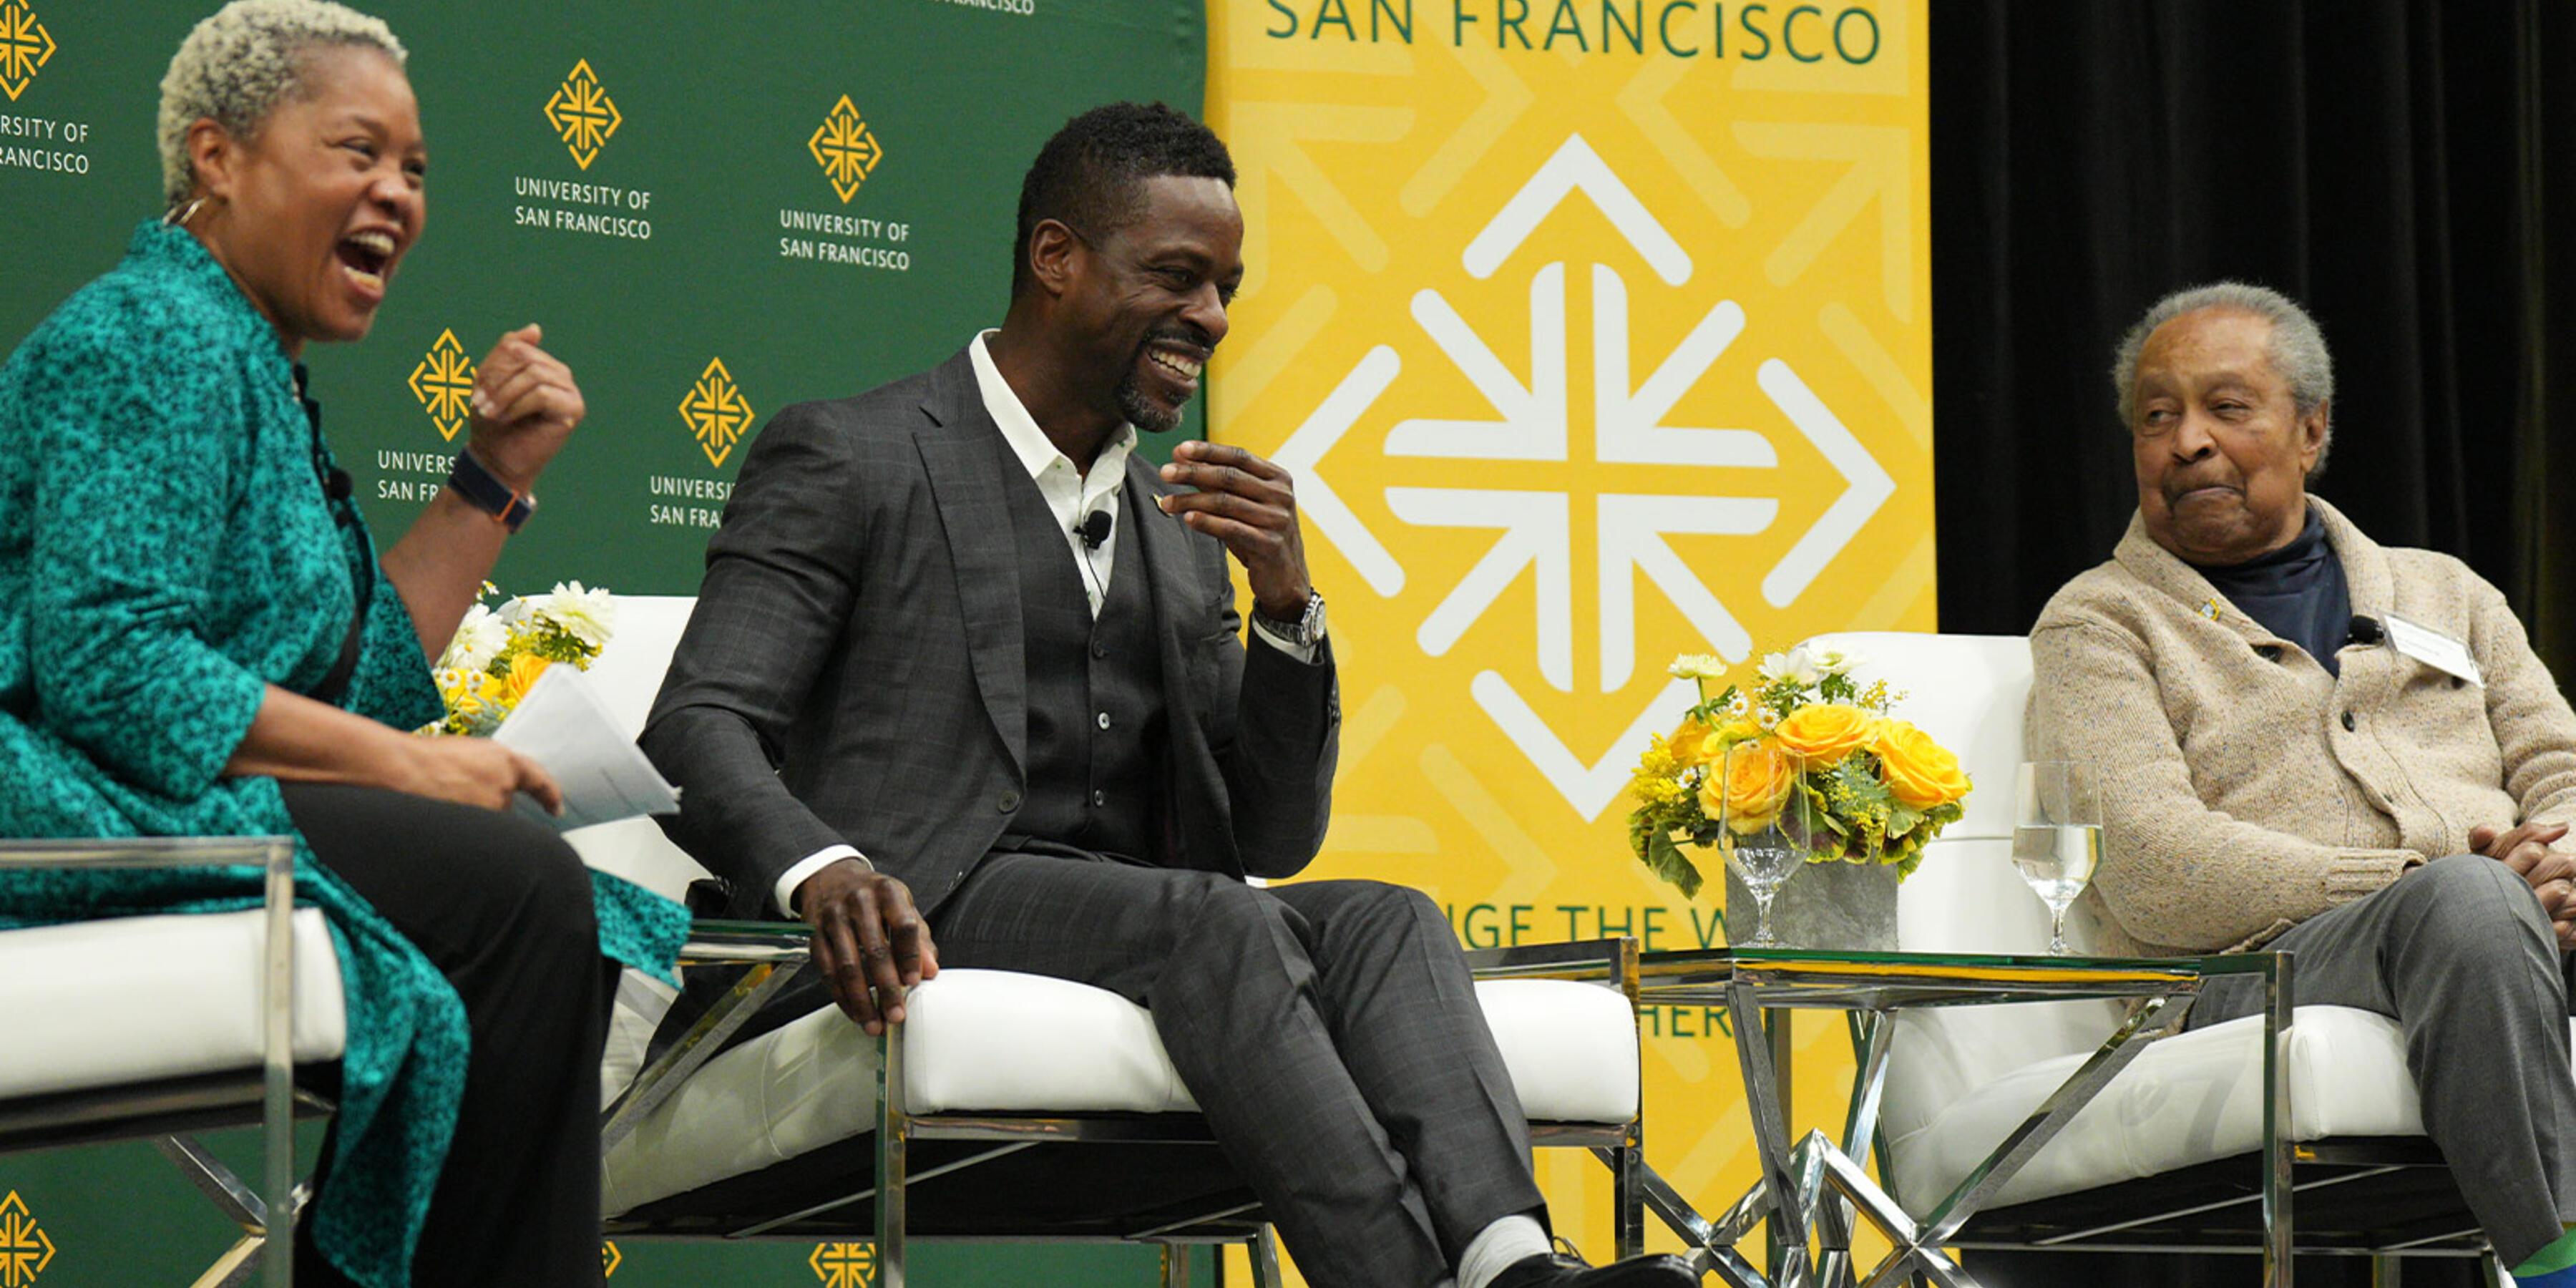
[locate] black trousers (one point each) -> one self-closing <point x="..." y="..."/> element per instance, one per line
<point x="503" y="908"/>
<point x="1328" y="1029"/>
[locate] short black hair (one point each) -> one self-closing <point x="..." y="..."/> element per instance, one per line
<point x="1091" y="175"/>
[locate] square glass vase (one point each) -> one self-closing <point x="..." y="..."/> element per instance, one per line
<point x="1836" y="907"/>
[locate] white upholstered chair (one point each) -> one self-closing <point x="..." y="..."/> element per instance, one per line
<point x="166" y="1025"/>
<point x="2171" y="1153"/>
<point x="935" y="1129"/>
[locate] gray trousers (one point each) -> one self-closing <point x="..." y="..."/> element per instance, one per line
<point x="2460" y="954"/>
<point x="1329" y="1030"/>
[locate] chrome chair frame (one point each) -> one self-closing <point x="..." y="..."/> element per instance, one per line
<point x="774" y="952"/>
<point x="168" y="1109"/>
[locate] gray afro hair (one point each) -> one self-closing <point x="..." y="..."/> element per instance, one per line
<point x="239" y="64"/>
<point x="2298" y="347"/>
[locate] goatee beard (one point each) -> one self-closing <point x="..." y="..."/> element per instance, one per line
<point x="1142" y="412"/>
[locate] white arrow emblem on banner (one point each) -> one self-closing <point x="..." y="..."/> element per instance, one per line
<point x="1531" y="423"/>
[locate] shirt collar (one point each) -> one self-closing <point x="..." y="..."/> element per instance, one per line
<point x="1028" y="442"/>
<point x="2365" y="568"/>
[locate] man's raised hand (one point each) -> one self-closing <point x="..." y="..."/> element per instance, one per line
<point x="1250" y="505"/>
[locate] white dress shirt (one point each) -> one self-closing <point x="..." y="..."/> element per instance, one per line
<point x="1071" y="496"/>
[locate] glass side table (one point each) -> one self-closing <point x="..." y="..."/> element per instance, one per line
<point x="1812" y="1188"/>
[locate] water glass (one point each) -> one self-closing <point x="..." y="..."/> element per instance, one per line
<point x="2057" y="835"/>
<point x="1767" y="842"/>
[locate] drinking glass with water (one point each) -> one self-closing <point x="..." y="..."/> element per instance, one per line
<point x="2057" y="835"/>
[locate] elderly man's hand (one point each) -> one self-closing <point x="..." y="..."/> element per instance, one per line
<point x="2525" y="849"/>
<point x="869" y="941"/>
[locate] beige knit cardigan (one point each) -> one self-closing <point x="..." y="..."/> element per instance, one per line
<point x="2244" y="788"/>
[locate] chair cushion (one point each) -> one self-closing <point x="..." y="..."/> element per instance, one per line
<point x="135" y="999"/>
<point x="2190" y="1099"/>
<point x="985" y="1041"/>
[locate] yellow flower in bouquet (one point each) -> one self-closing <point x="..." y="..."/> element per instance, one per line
<point x="468" y="694"/>
<point x="1920" y="773"/>
<point x="1825" y="732"/>
<point x="522" y="676"/>
<point x="1756" y="783"/>
<point x="1689" y="744"/>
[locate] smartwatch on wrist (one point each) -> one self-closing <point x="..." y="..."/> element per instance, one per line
<point x="485" y="492"/>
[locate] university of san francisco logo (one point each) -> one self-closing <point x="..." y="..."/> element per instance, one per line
<point x="583" y="114"/>
<point x="844" y="1265"/>
<point x="845" y="149"/>
<point x="24" y="1249"/>
<point x="24" y="46"/>
<point x="443" y="382"/>
<point x="716" y="411"/>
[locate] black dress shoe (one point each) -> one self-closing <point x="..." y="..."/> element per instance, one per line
<point x="1548" y="1270"/>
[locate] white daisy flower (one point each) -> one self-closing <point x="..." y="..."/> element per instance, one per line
<point x="481" y="635"/>
<point x="587" y="615"/>
<point x="1795" y="666"/>
<point x="1834" y="661"/>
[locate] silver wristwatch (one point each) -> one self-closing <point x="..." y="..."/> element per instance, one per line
<point x="1304" y="632"/>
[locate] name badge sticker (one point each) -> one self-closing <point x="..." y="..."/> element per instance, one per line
<point x="2434" y="649"/>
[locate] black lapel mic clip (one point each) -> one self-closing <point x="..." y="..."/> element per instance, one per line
<point x="1093" y="529"/>
<point x="2365" y="631"/>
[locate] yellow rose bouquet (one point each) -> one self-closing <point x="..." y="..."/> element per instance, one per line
<point x="1805" y="741"/>
<point x="498" y="653"/>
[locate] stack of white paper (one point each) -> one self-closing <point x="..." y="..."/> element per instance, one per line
<point x="564" y="726"/>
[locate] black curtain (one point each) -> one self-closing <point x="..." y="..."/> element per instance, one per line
<point x="2407" y="170"/>
<point x="2395" y="166"/>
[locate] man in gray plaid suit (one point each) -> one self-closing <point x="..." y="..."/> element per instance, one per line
<point x="964" y="667"/>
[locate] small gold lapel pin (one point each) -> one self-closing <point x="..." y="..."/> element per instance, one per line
<point x="2210" y="609"/>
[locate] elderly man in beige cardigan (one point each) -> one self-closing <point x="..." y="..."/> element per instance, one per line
<point x="2313" y="742"/>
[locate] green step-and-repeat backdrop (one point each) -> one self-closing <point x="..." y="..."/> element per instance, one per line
<point x="714" y="211"/>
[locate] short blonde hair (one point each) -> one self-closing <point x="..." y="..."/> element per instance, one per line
<point x="239" y="64"/>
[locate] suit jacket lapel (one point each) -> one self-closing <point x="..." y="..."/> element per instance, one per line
<point x="1204" y="835"/>
<point x="960" y="453"/>
<point x="1177" y="593"/>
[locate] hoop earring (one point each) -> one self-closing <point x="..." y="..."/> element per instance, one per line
<point x="178" y="215"/>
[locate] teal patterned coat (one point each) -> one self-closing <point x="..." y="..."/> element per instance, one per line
<point x="166" y="552"/>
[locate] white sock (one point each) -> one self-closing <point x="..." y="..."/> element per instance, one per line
<point x="1498" y="1246"/>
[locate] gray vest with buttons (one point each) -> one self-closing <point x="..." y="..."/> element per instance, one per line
<point x="1095" y="693"/>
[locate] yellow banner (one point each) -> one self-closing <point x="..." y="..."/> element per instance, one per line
<point x="1594" y="333"/>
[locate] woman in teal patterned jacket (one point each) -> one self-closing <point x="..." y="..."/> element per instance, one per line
<point x="198" y="637"/>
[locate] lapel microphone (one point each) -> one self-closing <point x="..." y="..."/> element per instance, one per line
<point x="1093" y="529"/>
<point x="2364" y="631"/>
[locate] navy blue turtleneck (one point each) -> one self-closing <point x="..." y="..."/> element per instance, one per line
<point x="2297" y="592"/>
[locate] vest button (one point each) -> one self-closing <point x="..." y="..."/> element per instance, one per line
<point x="1104" y="719"/>
<point x="2347" y="722"/>
<point x="1099" y="798"/>
<point x="1099" y="649"/>
<point x="1010" y="801"/>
